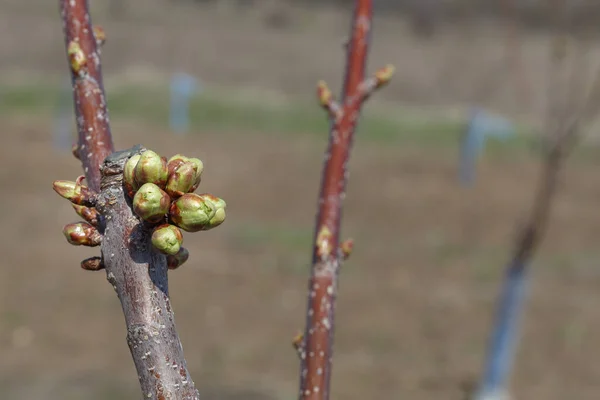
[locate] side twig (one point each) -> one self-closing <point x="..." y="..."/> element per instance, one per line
<point x="315" y="347"/>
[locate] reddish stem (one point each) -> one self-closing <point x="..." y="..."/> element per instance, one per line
<point x="95" y="140"/>
<point x="317" y="351"/>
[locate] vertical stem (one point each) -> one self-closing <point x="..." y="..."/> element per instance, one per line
<point x="318" y="349"/>
<point x="95" y="139"/>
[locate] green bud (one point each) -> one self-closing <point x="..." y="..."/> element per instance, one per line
<point x="217" y="220"/>
<point x="151" y="203"/>
<point x="200" y="166"/>
<point x="167" y="239"/>
<point x="175" y="161"/>
<point x="82" y="234"/>
<point x="151" y="168"/>
<point x="175" y="261"/>
<point x="219" y="216"/>
<point x="129" y="182"/>
<point x="182" y="179"/>
<point x="191" y="212"/>
<point x="75" y="192"/>
<point x="90" y="214"/>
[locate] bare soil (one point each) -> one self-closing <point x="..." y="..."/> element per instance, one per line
<point x="416" y="297"/>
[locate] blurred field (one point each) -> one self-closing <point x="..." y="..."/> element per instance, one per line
<point x="417" y="296"/>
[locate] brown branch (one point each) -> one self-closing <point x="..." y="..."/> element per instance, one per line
<point x="95" y="140"/>
<point x="317" y="345"/>
<point x="568" y="109"/>
<point x="138" y="274"/>
<point x="135" y="269"/>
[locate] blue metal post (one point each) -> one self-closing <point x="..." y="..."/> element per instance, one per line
<point x="183" y="87"/>
<point x="504" y="339"/>
<point x="481" y="125"/>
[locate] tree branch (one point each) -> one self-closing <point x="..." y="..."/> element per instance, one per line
<point x="138" y="273"/>
<point x="134" y="267"/>
<point x="95" y="140"/>
<point x="315" y="347"/>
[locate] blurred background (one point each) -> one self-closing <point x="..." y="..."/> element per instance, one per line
<point x="233" y="82"/>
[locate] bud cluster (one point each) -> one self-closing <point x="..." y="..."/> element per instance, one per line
<point x="162" y="194"/>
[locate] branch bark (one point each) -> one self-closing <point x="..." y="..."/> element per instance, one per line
<point x="95" y="140"/>
<point x="316" y="345"/>
<point x="137" y="272"/>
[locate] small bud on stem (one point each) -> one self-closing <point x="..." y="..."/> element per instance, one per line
<point x="75" y="192"/>
<point x="77" y="58"/>
<point x="129" y="182"/>
<point x="151" y="168"/>
<point x="182" y="179"/>
<point x="175" y="261"/>
<point x="151" y="203"/>
<point x="82" y="234"/>
<point x="346" y="248"/>
<point x="90" y="214"/>
<point x="92" y="264"/>
<point x="167" y="239"/>
<point x="192" y="213"/>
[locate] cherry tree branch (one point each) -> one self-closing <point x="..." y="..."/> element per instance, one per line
<point x="95" y="140"/>
<point x="134" y="267"/>
<point x="315" y="347"/>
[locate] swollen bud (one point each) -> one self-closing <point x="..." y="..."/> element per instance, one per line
<point x="174" y="162"/>
<point x="92" y="264"/>
<point x="200" y="169"/>
<point x="151" y="168"/>
<point x="167" y="239"/>
<point x="220" y="206"/>
<point x="82" y="234"/>
<point x="191" y="212"/>
<point x="151" y="203"/>
<point x="346" y="248"/>
<point x="75" y="192"/>
<point x="182" y="179"/>
<point x="90" y="214"/>
<point x="128" y="175"/>
<point x="175" y="261"/>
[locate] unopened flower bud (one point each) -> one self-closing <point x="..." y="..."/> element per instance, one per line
<point x="175" y="261"/>
<point x="75" y="150"/>
<point x="75" y="192"/>
<point x="182" y="179"/>
<point x="77" y="58"/>
<point x="174" y="162"/>
<point x="82" y="234"/>
<point x="220" y="206"/>
<point x="92" y="264"/>
<point x="191" y="212"/>
<point x="151" y="168"/>
<point x="346" y="248"/>
<point x="200" y="169"/>
<point x="90" y="214"/>
<point x="167" y="239"/>
<point x="129" y="182"/>
<point x="151" y="203"/>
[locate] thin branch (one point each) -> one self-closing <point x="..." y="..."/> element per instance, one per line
<point x="95" y="140"/>
<point x="317" y="344"/>
<point x="568" y="109"/>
